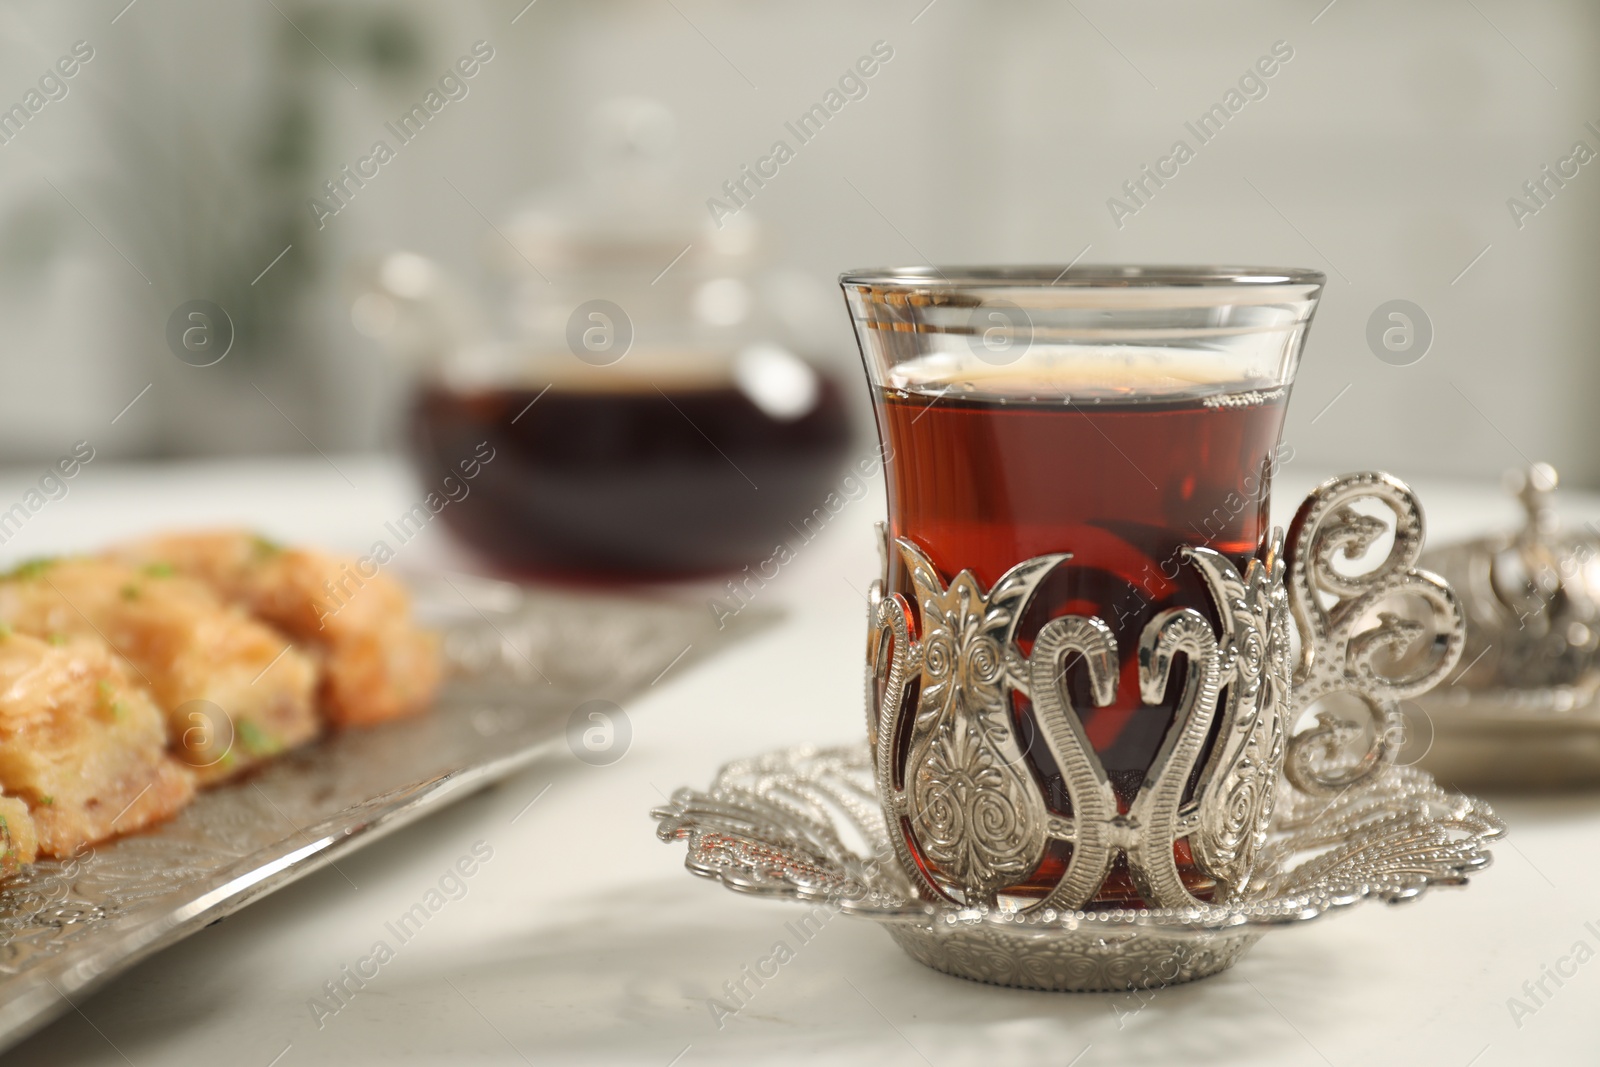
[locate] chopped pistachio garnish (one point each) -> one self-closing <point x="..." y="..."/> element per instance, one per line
<point x="264" y="547"/>
<point x="130" y="592"/>
<point x="58" y="639"/>
<point x="160" y="570"/>
<point x="47" y="800"/>
<point x="256" y="741"/>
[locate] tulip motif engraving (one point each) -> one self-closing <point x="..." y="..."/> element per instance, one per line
<point x="964" y="794"/>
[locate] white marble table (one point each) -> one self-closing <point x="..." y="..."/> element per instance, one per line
<point x="582" y="938"/>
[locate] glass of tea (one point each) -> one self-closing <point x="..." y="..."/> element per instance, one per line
<point x="1117" y="416"/>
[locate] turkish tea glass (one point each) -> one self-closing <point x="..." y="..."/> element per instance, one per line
<point x="1080" y="459"/>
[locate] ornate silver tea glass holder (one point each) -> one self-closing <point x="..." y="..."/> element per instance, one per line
<point x="934" y="827"/>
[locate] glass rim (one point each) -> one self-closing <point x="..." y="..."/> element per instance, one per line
<point x="1130" y="275"/>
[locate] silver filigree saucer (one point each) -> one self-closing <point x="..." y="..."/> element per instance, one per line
<point x="804" y="824"/>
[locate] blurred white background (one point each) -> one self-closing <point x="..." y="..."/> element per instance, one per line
<point x="1384" y="152"/>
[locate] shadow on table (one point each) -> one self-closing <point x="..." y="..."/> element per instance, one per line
<point x="635" y="981"/>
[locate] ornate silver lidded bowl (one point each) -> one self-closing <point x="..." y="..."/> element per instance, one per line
<point x="932" y="827"/>
<point x="1525" y="711"/>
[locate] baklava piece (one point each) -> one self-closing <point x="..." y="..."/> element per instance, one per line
<point x="377" y="663"/>
<point x="82" y="749"/>
<point x="233" y="690"/>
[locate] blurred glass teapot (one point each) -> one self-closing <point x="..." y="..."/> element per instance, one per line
<point x="642" y="386"/>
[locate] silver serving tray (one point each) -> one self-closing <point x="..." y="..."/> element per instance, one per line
<point x="521" y="661"/>
<point x="1526" y="740"/>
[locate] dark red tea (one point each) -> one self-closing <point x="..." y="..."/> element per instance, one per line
<point x="626" y="483"/>
<point x="983" y="482"/>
